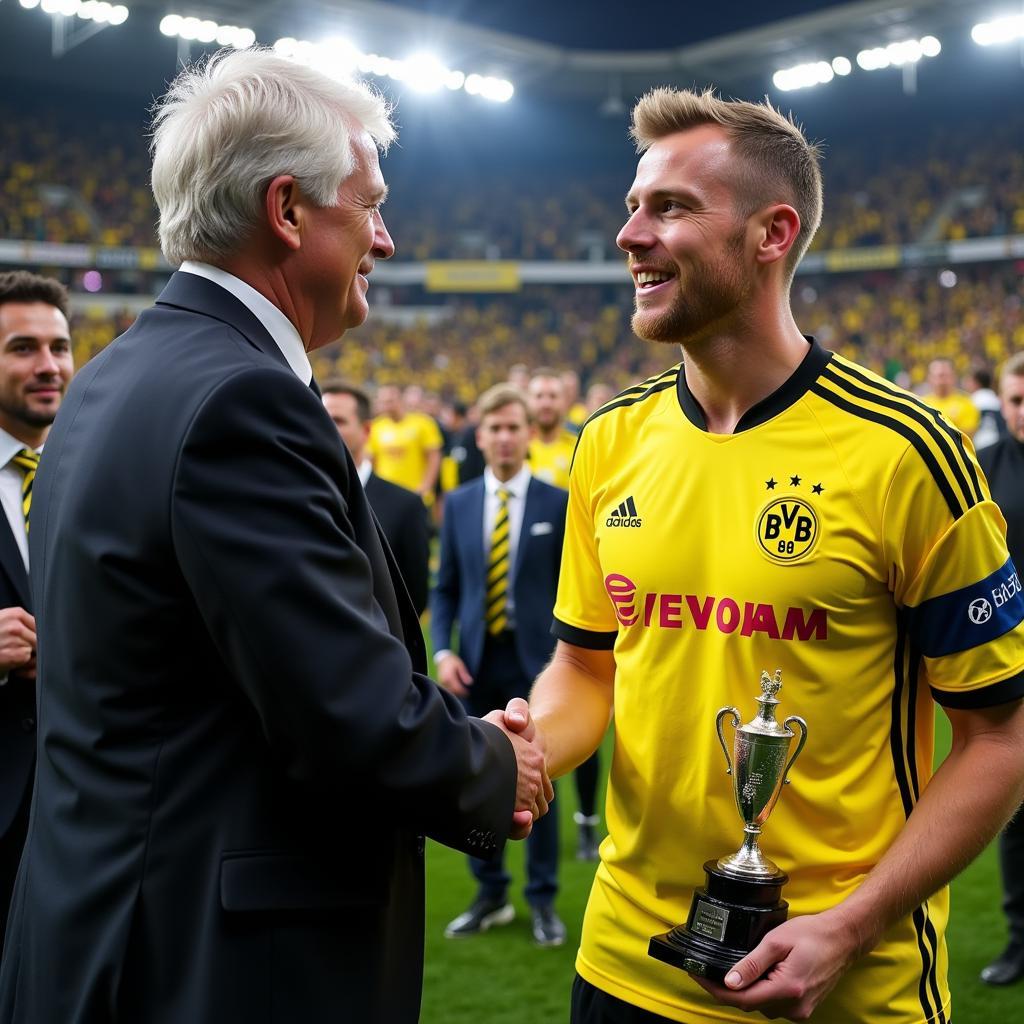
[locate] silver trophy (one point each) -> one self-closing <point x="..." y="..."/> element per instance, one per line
<point x="759" y="770"/>
<point x="741" y="901"/>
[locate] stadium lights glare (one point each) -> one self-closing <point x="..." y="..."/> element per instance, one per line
<point x="422" y="72"/>
<point x="907" y="51"/>
<point x="1001" y="30"/>
<point x="203" y="30"/>
<point x="803" y="76"/>
<point x="89" y="10"/>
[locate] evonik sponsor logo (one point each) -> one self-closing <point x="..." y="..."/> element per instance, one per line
<point x="710" y="612"/>
<point x="624" y="515"/>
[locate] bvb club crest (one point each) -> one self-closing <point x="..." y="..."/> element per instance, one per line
<point x="787" y="529"/>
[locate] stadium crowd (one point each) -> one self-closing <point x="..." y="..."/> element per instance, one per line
<point x="67" y="180"/>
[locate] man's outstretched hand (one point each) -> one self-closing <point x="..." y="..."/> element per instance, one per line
<point x="533" y="787"/>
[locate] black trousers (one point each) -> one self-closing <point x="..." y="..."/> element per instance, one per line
<point x="592" y="1006"/>
<point x="1011" y="863"/>
<point x="11" y="845"/>
<point x="499" y="679"/>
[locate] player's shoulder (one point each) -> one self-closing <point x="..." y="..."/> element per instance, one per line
<point x="635" y="403"/>
<point x="897" y="431"/>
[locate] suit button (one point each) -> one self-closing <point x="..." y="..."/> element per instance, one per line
<point x="28" y="724"/>
<point x="420" y="845"/>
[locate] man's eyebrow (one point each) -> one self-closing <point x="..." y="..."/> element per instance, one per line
<point x="686" y="194"/>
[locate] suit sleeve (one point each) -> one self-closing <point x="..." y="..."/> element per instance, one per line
<point x="414" y="554"/>
<point x="445" y="598"/>
<point x="262" y="534"/>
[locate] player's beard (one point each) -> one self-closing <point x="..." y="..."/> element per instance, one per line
<point x="707" y="297"/>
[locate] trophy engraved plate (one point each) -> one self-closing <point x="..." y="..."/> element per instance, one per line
<point x="710" y="920"/>
<point x="741" y="901"/>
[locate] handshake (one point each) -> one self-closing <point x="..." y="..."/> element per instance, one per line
<point x="534" y="791"/>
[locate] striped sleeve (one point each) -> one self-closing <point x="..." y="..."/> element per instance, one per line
<point x="959" y="588"/>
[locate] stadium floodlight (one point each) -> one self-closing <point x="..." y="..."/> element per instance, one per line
<point x="803" y="76"/>
<point x="425" y="73"/>
<point x="999" y="30"/>
<point x="498" y="90"/>
<point x="898" y="54"/>
<point x="841" y="66"/>
<point x="29" y="4"/>
<point x="204" y="30"/>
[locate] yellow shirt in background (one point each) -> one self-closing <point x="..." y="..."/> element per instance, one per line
<point x="958" y="409"/>
<point x="399" y="448"/>
<point x="550" y="460"/>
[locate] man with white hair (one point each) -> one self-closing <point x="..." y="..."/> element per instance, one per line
<point x="239" y="750"/>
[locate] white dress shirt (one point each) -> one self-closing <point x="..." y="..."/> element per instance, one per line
<point x="11" y="480"/>
<point x="364" y="471"/>
<point x="278" y="326"/>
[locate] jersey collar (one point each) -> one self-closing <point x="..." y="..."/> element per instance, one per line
<point x="782" y="398"/>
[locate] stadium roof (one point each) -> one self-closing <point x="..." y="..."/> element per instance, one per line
<point x="738" y="61"/>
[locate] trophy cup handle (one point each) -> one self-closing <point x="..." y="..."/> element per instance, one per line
<point x="795" y="720"/>
<point x="721" y="735"/>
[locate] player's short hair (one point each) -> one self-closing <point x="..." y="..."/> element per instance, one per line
<point x="499" y="396"/>
<point x="359" y="396"/>
<point x="1013" y="367"/>
<point x="776" y="161"/>
<point x="22" y="286"/>
<point x="228" y="126"/>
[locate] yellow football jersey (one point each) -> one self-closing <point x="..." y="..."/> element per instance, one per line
<point x="550" y="460"/>
<point x="399" y="448"/>
<point x="844" y="534"/>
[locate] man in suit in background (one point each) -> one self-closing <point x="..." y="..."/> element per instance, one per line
<point x="35" y="367"/>
<point x="400" y="512"/>
<point x="239" y="750"/>
<point x="501" y="544"/>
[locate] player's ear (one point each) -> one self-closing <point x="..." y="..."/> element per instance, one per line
<point x="778" y="227"/>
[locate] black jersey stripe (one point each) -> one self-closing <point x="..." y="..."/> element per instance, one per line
<point x="665" y="381"/>
<point x="901" y="428"/>
<point x="903" y="669"/>
<point x="896" y="741"/>
<point x="913" y="683"/>
<point x="936" y="423"/>
<point x="926" y="961"/>
<point x="955" y="436"/>
<point x="933" y="974"/>
<point x="930" y="427"/>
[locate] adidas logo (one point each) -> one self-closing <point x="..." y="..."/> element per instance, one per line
<point x="624" y="515"/>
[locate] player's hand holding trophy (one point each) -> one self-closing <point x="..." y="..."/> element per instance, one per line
<point x="741" y="900"/>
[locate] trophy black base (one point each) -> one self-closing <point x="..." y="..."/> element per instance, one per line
<point x="728" y="918"/>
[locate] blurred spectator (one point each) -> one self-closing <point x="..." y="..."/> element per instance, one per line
<point x="943" y="395"/>
<point x="575" y="410"/>
<point x="405" y="446"/>
<point x="991" y="426"/>
<point x="550" y="454"/>
<point x="1003" y="464"/>
<point x="400" y="512"/>
<point x="598" y="394"/>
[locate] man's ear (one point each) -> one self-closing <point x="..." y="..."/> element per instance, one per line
<point x="284" y="206"/>
<point x="778" y="228"/>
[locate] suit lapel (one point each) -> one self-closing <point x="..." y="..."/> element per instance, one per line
<point x="530" y="516"/>
<point x="474" y="542"/>
<point x="12" y="564"/>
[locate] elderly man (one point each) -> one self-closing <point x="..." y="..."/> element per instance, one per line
<point x="239" y="753"/>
